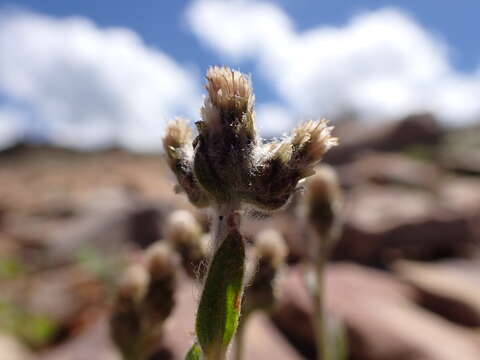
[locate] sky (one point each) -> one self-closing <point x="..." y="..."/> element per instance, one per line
<point x="94" y="73"/>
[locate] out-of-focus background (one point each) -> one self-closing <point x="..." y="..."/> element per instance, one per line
<point x="87" y="87"/>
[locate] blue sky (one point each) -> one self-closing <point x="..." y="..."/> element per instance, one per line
<point x="161" y="24"/>
<point x="168" y="27"/>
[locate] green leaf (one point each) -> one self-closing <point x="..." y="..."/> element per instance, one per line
<point x="220" y="304"/>
<point x="195" y="353"/>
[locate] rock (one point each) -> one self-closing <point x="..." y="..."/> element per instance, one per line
<point x="380" y="316"/>
<point x="460" y="194"/>
<point x="414" y="129"/>
<point x="388" y="168"/>
<point x="384" y="223"/>
<point x="461" y="151"/>
<point x="93" y="343"/>
<point x="264" y="341"/>
<point x="449" y="288"/>
<point x="359" y="137"/>
<point x="60" y="294"/>
<point x="107" y="228"/>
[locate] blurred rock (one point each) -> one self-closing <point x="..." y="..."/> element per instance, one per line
<point x="388" y="168"/>
<point x="92" y="343"/>
<point x="359" y="137"/>
<point x="264" y="341"/>
<point x="460" y="194"/>
<point x="60" y="294"/>
<point x="381" y="319"/>
<point x="461" y="151"/>
<point x="414" y="129"/>
<point x="384" y="223"/>
<point x="449" y="288"/>
<point x="105" y="223"/>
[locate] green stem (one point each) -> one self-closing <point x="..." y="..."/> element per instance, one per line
<point x="319" y="311"/>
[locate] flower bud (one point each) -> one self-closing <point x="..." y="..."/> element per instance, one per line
<point x="270" y="252"/>
<point x="177" y="144"/>
<point x="125" y="321"/>
<point x="270" y="248"/>
<point x="282" y="164"/>
<point x="158" y="301"/>
<point x="227" y="136"/>
<point x="324" y="203"/>
<point x="184" y="233"/>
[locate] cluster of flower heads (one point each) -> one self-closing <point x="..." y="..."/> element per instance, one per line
<point x="228" y="162"/>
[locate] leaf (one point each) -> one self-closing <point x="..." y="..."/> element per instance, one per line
<point x="195" y="353"/>
<point x="220" y="304"/>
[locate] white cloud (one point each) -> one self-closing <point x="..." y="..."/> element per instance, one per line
<point x="380" y="65"/>
<point x="91" y="86"/>
<point x="273" y="119"/>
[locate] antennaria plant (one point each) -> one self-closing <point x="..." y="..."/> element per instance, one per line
<point x="225" y="167"/>
<point x="144" y="300"/>
<point x="324" y="203"/>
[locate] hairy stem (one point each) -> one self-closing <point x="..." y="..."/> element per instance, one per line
<point x="319" y="311"/>
<point x="323" y="345"/>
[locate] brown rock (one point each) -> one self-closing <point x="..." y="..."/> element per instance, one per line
<point x="449" y="288"/>
<point x="384" y="223"/>
<point x="381" y="319"/>
<point x="264" y="341"/>
<point x="359" y="137"/>
<point x="388" y="168"/>
<point x="93" y="343"/>
<point x="461" y="151"/>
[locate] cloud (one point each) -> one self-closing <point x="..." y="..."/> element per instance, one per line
<point x="91" y="86"/>
<point x="380" y="65"/>
<point x="273" y="119"/>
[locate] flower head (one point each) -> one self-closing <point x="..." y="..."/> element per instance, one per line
<point x="324" y="204"/>
<point x="230" y="162"/>
<point x="177" y="144"/>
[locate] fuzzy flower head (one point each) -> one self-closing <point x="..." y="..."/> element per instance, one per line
<point x="324" y="204"/>
<point x="177" y="144"/>
<point x="185" y="234"/>
<point x="230" y="100"/>
<point x="270" y="247"/>
<point x="227" y="136"/>
<point x="162" y="261"/>
<point x="230" y="162"/>
<point x="133" y="283"/>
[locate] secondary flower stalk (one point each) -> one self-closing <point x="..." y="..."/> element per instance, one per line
<point x="324" y="203"/>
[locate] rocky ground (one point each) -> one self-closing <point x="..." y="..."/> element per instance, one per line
<point x="404" y="281"/>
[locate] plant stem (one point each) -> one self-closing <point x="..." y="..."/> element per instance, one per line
<point x="223" y="221"/>
<point x="320" y="317"/>
<point x="319" y="311"/>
